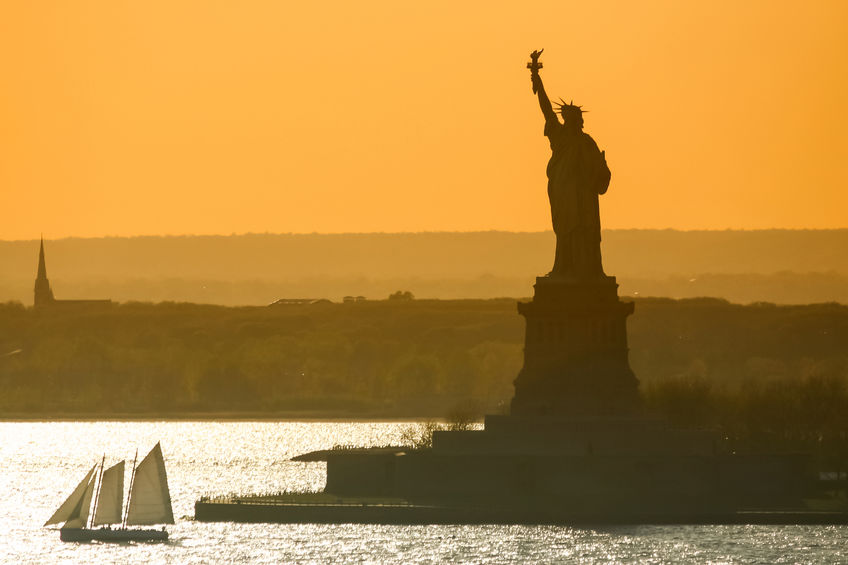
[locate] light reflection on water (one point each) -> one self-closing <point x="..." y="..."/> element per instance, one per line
<point x="41" y="462"/>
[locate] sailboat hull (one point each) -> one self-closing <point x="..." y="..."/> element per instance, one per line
<point x="106" y="534"/>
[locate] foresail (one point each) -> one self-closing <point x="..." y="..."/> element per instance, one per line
<point x="150" y="500"/>
<point x="68" y="507"/>
<point x="79" y="516"/>
<point x="110" y="500"/>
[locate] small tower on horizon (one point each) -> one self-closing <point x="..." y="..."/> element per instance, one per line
<point x="43" y="292"/>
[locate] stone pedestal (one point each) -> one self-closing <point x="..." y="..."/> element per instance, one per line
<point x="575" y="352"/>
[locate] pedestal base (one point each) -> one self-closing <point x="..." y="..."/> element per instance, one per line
<point x="575" y="353"/>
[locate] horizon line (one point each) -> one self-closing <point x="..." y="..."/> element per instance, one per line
<point x="397" y="233"/>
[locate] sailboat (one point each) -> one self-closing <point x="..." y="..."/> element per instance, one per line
<point x="149" y="503"/>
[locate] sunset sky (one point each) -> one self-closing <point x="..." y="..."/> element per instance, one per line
<point x="203" y="117"/>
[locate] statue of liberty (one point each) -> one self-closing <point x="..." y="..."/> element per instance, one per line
<point x="577" y="174"/>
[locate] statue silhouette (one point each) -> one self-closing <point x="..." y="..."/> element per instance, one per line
<point x="577" y="174"/>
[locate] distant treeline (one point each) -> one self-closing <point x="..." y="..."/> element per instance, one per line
<point x="783" y="266"/>
<point x="772" y="369"/>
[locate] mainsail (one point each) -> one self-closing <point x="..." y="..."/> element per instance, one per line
<point x="72" y="506"/>
<point x="150" y="500"/>
<point x="110" y="500"/>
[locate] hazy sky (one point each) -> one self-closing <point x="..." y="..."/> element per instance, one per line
<point x="175" y="117"/>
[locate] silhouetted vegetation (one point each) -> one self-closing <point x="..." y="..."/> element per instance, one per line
<point x="391" y="357"/>
<point x="760" y="372"/>
<point x="761" y="413"/>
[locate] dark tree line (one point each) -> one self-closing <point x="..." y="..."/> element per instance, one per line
<point x="775" y="373"/>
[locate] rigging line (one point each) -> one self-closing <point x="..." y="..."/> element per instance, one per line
<point x="97" y="494"/>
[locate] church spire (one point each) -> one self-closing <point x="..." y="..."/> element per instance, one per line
<point x="43" y="292"/>
<point x="42" y="268"/>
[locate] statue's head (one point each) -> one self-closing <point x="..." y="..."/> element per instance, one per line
<point x="572" y="116"/>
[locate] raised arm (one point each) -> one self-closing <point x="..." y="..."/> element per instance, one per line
<point x="538" y="88"/>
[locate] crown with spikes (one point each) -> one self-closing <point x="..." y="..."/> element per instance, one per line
<point x="569" y="107"/>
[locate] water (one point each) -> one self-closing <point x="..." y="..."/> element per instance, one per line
<point x="41" y="462"/>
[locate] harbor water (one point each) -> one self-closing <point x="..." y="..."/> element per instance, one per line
<point x="41" y="462"/>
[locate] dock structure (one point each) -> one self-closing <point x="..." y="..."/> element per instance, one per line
<point x="368" y="511"/>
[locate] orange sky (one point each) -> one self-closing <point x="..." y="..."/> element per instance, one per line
<point x="180" y="117"/>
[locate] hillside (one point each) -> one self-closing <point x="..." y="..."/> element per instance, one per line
<point x="781" y="266"/>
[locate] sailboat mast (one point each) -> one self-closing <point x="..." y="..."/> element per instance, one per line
<point x="129" y="494"/>
<point x="97" y="494"/>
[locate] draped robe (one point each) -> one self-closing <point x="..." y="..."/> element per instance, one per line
<point x="577" y="174"/>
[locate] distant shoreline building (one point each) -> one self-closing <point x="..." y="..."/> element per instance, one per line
<point x="43" y="294"/>
<point x="299" y="301"/>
